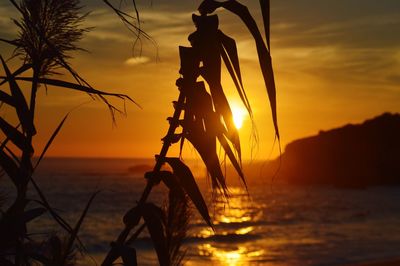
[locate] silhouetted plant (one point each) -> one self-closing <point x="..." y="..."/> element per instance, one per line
<point x="48" y="32"/>
<point x="203" y="118"/>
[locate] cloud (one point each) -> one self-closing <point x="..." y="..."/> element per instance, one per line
<point x="133" y="61"/>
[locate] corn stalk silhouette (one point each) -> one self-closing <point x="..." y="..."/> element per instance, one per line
<point x="203" y="118"/>
<point x="48" y="32"/>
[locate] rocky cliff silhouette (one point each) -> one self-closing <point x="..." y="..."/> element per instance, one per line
<point x="359" y="155"/>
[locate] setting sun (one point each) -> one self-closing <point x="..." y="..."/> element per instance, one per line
<point x="239" y="114"/>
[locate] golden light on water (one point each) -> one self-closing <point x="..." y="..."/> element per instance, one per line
<point x="231" y="257"/>
<point x="232" y="224"/>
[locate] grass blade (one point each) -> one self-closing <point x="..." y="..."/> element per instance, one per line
<point x="53" y="136"/>
<point x="77" y="227"/>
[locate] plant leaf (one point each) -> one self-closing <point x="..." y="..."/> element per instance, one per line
<point x="24" y="115"/>
<point x="201" y="126"/>
<point x="19" y="71"/>
<point x="5" y="98"/>
<point x="209" y="6"/>
<point x="231" y="59"/>
<point x="15" y="136"/>
<point x="53" y="136"/>
<point x="153" y="217"/>
<point x="79" y="87"/>
<point x="265" y="10"/>
<point x="224" y="143"/>
<point x="188" y="183"/>
<point x="74" y="233"/>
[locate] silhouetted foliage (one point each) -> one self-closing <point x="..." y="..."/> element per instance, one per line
<point x="48" y="32"/>
<point x="203" y="117"/>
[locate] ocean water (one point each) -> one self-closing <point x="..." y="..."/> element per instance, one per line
<point x="278" y="224"/>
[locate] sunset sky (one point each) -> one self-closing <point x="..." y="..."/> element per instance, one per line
<point x="336" y="62"/>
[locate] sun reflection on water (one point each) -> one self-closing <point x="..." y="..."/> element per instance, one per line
<point x="231" y="257"/>
<point x="230" y="244"/>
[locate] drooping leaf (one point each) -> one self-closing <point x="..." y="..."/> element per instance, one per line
<point x="230" y="56"/>
<point x="224" y="143"/>
<point x="209" y="6"/>
<point x="74" y="86"/>
<point x="265" y="11"/>
<point x="153" y="217"/>
<point x="200" y="127"/>
<point x="171" y="181"/>
<point x="24" y="115"/>
<point x="188" y="183"/>
<point x="223" y="110"/>
<point x="32" y="214"/>
<point x="206" y="42"/>
<point x="15" y="136"/>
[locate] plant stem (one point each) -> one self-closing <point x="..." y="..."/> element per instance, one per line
<point x="174" y="123"/>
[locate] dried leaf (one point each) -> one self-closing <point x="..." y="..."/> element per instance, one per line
<point x="153" y="217"/>
<point x="188" y="183"/>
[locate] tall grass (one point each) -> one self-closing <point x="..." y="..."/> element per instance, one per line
<point x="48" y="32"/>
